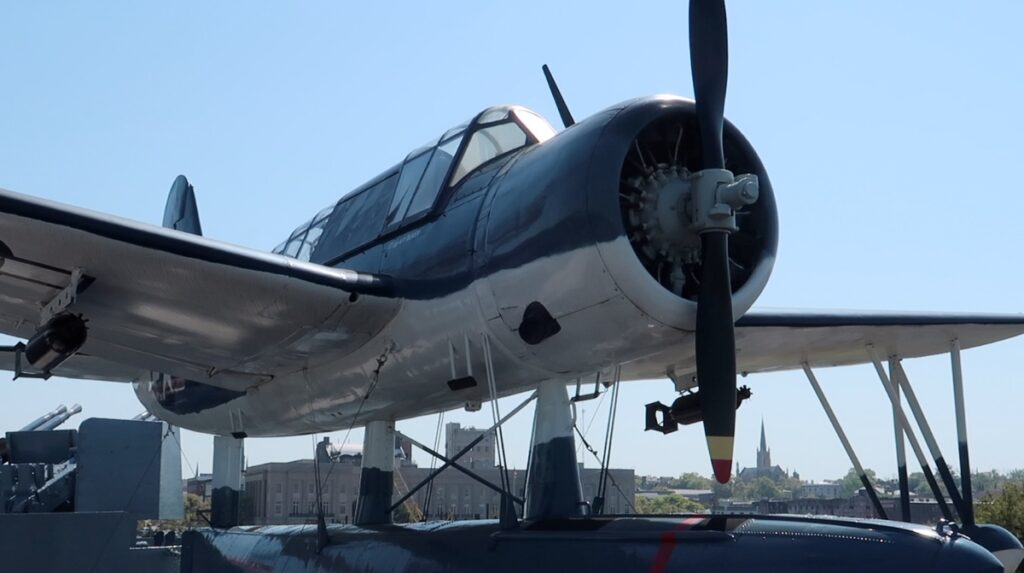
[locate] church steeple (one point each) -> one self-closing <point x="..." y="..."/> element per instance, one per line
<point x="764" y="455"/>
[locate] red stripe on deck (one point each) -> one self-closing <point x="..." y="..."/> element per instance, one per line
<point x="668" y="543"/>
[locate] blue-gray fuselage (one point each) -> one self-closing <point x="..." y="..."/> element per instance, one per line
<point x="557" y="222"/>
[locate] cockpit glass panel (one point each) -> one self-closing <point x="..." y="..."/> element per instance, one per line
<point x="304" y="239"/>
<point x="292" y="248"/>
<point x="314" y="233"/>
<point x="323" y="214"/>
<point x="493" y="115"/>
<point x="412" y="171"/>
<point x="455" y="130"/>
<point x="535" y="124"/>
<point x="356" y="220"/>
<point x="434" y="177"/>
<point x="488" y="143"/>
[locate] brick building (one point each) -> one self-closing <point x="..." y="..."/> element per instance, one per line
<point x="285" y="493"/>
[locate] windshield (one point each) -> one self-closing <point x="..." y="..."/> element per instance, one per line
<point x="488" y="143"/>
<point x="497" y="131"/>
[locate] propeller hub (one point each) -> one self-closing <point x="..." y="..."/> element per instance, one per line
<point x="718" y="194"/>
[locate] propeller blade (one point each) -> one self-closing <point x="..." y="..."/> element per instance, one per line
<point x="563" y="109"/>
<point x="716" y="354"/>
<point x="709" y="65"/>
<point x="715" y="336"/>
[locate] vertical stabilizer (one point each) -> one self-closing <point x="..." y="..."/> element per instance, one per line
<point x="181" y="212"/>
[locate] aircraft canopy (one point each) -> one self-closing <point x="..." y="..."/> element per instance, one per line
<point x="411" y="190"/>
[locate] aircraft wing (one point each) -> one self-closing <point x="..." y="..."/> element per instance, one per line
<point x="161" y="300"/>
<point x="775" y="340"/>
<point x="86" y="367"/>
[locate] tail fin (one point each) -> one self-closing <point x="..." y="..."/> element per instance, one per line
<point x="181" y="212"/>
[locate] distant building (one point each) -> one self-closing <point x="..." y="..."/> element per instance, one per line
<point x="704" y="497"/>
<point x="764" y="466"/>
<point x="457" y="496"/>
<point x="819" y="491"/>
<point x="921" y="511"/>
<point x="733" y="506"/>
<point x="285" y="493"/>
<point x="200" y="484"/>
<point x="482" y="455"/>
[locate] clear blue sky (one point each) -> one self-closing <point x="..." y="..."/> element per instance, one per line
<point x="891" y="131"/>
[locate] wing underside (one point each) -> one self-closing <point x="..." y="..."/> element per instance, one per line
<point x="777" y="340"/>
<point x="783" y="340"/>
<point x="158" y="299"/>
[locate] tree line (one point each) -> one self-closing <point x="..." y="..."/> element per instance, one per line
<point x="998" y="497"/>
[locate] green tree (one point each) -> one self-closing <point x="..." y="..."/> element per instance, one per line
<point x="1005" y="509"/>
<point x="723" y="490"/>
<point x="986" y="482"/>
<point x="194" y="507"/>
<point x="851" y="481"/>
<point x="790" y="484"/>
<point x="918" y="484"/>
<point x="762" y="488"/>
<point x="691" y="480"/>
<point x="667" y="504"/>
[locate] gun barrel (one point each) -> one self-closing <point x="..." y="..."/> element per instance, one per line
<point x="52" y="423"/>
<point x="44" y="418"/>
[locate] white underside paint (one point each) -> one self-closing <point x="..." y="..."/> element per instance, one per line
<point x="1010" y="558"/>
<point x="608" y="329"/>
<point x="228" y="457"/>
<point x="379" y="445"/>
<point x="419" y="345"/>
<point x="552" y="418"/>
<point x="305" y="354"/>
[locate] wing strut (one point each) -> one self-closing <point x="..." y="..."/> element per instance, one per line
<point x="901" y="382"/>
<point x="961" y="432"/>
<point x="451" y="462"/>
<point x="869" y="488"/>
<point x="929" y="476"/>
